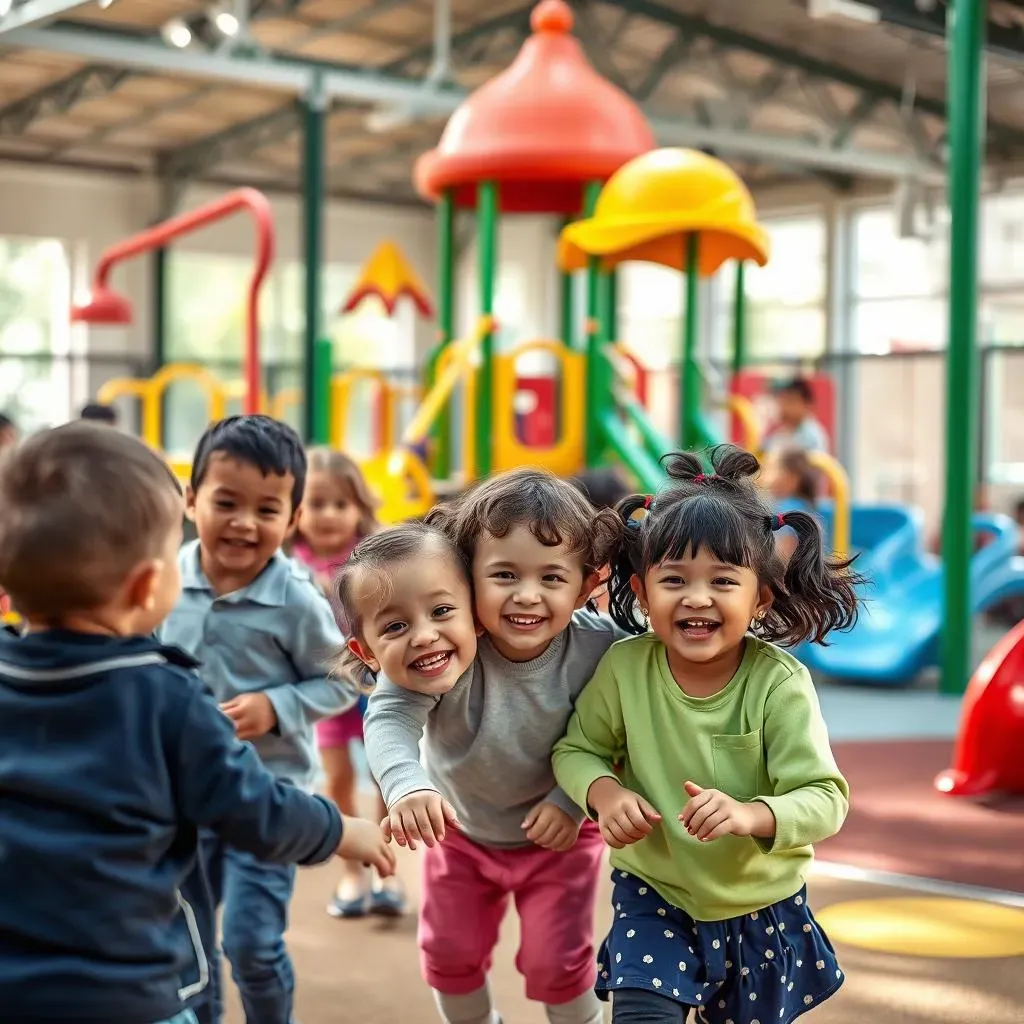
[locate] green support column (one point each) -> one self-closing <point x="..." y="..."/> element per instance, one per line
<point x="441" y="431"/>
<point x="487" y="245"/>
<point x="966" y="25"/>
<point x="689" y="372"/>
<point x="313" y="117"/>
<point x="323" y="359"/>
<point x="567" y="305"/>
<point x="739" y="322"/>
<point x="593" y="444"/>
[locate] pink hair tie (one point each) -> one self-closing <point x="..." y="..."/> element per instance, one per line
<point x="699" y="478"/>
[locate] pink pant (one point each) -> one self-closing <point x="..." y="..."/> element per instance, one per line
<point x="466" y="889"/>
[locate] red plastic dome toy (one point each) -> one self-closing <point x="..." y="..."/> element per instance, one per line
<point x="542" y="128"/>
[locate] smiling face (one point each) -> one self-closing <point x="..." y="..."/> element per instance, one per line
<point x="526" y="591"/>
<point x="415" y="621"/>
<point x="242" y="517"/>
<point x="330" y="515"/>
<point x="701" y="609"/>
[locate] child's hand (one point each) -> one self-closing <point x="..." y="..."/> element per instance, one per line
<point x="252" y="713"/>
<point x="364" y="841"/>
<point x="420" y="817"/>
<point x="710" y="814"/>
<point x="549" y="826"/>
<point x="623" y="816"/>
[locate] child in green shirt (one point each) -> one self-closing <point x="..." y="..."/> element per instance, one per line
<point x="725" y="776"/>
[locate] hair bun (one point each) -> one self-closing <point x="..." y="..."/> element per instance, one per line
<point x="682" y="465"/>
<point x="732" y="463"/>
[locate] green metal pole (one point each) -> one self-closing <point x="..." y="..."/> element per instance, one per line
<point x="739" y="323"/>
<point x="567" y="304"/>
<point x="594" y="397"/>
<point x="689" y="374"/>
<point x="323" y="358"/>
<point x="966" y="25"/>
<point x="441" y="431"/>
<point x="487" y="245"/>
<point x="313" y="117"/>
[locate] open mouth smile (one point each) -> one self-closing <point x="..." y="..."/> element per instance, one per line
<point x="524" y="623"/>
<point x="432" y="664"/>
<point x="695" y="628"/>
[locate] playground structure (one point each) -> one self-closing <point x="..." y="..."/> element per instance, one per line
<point x="549" y="135"/>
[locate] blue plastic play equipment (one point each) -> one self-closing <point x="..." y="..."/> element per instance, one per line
<point x="897" y="634"/>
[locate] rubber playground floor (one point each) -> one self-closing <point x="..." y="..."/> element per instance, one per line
<point x="922" y="895"/>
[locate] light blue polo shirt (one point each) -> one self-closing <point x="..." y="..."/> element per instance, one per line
<point x="276" y="636"/>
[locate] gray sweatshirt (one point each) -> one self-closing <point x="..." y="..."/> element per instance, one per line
<point x="488" y="741"/>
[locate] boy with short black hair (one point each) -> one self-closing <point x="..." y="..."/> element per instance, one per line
<point x="112" y="755"/>
<point x="264" y="633"/>
<point x="798" y="427"/>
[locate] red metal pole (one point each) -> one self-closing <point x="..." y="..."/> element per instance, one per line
<point x="160" y="234"/>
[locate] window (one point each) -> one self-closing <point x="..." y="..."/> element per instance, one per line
<point x="35" y="299"/>
<point x="899" y="285"/>
<point x="652" y="305"/>
<point x="785" y="299"/>
<point x="206" y="309"/>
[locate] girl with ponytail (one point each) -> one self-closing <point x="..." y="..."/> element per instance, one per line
<point x="725" y="775"/>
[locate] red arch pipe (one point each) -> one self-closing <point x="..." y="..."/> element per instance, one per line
<point x="160" y="234"/>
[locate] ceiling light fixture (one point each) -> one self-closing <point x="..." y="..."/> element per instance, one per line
<point x="176" y="33"/>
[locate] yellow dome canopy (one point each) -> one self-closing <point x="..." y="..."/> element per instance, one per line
<point x="651" y="203"/>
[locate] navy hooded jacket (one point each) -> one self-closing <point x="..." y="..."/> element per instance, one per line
<point x="112" y="757"/>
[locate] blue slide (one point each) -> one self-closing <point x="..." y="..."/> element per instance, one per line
<point x="897" y="633"/>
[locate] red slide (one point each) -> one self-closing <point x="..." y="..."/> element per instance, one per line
<point x="989" y="752"/>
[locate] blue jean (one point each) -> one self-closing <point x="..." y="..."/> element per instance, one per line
<point x="638" y="1006"/>
<point x="185" y="1017"/>
<point x="255" y="896"/>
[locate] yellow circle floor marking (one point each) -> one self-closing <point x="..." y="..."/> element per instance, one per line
<point x="927" y="927"/>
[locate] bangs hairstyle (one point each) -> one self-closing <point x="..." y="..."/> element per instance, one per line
<point x="268" y="444"/>
<point x="372" y="558"/>
<point x="350" y="476"/>
<point x="80" y="506"/>
<point x="725" y="514"/>
<point x="553" y="509"/>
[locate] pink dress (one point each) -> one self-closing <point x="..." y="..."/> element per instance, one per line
<point x="340" y="730"/>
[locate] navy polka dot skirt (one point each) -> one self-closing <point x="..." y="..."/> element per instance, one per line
<point x="767" y="967"/>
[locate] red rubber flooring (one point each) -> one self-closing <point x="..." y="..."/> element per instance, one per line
<point x="899" y="823"/>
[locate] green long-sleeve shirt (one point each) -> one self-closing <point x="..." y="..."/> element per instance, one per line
<point x="761" y="737"/>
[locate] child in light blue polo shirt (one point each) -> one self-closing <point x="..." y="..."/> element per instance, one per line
<point x="264" y="634"/>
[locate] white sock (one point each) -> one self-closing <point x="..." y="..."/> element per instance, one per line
<point x="584" y="1009"/>
<point x="472" y="1008"/>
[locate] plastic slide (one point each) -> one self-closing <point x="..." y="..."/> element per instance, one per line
<point x="989" y="752"/>
<point x="897" y="633"/>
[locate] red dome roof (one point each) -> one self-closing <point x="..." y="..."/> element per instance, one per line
<point x="541" y="129"/>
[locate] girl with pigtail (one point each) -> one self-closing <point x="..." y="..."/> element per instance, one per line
<point x="725" y="775"/>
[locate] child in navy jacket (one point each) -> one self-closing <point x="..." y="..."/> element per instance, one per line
<point x="112" y="753"/>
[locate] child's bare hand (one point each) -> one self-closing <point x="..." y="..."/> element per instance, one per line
<point x="710" y="814"/>
<point x="549" y="826"/>
<point x="252" y="713"/>
<point x="623" y="816"/>
<point x="364" y="841"/>
<point x="423" y="817"/>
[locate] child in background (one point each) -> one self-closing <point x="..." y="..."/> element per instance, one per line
<point x="485" y="802"/>
<point x="603" y="488"/>
<point x="793" y="483"/>
<point x="727" y="774"/>
<point x="264" y="632"/>
<point x="337" y="512"/>
<point x="114" y="755"/>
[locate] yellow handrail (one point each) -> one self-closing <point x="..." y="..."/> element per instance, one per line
<point x="458" y="363"/>
<point x="840" y="483"/>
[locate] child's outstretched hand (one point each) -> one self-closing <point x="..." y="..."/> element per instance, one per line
<point x="419" y="817"/>
<point x="549" y="826"/>
<point x="623" y="816"/>
<point x="252" y="713"/>
<point x="364" y="841"/>
<point x="710" y="814"/>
